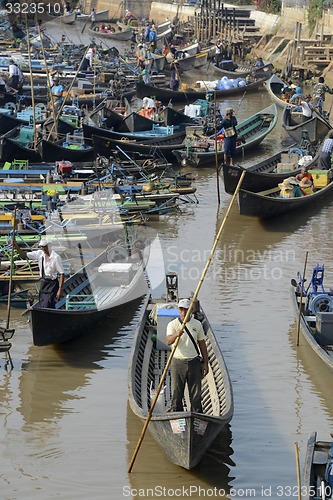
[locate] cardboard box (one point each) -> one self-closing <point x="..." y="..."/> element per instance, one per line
<point x="282" y="168"/>
<point x="321" y="178"/>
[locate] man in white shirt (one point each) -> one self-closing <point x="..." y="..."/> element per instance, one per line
<point x="51" y="272"/>
<point x="186" y="364"/>
<point x="15" y="75"/>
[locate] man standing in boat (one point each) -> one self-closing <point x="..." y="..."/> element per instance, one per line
<point x="230" y="135"/>
<point x="186" y="364"/>
<point x="51" y="272"/>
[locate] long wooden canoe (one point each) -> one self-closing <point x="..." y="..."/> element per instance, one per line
<point x="183" y="436"/>
<point x="165" y="95"/>
<point x="252" y="130"/>
<point x="268" y="204"/>
<point x="122" y="36"/>
<point x="316" y="313"/>
<point x="294" y="122"/>
<point x="317" y="472"/>
<point x="88" y="297"/>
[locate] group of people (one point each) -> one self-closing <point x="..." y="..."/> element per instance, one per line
<point x="294" y="95"/>
<point x="300" y="185"/>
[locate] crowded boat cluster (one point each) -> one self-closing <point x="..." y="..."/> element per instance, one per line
<point x="98" y="141"/>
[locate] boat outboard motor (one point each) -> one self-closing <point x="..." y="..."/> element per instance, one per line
<point x="320" y="303"/>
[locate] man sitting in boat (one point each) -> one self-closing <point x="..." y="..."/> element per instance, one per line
<point x="50" y="269"/>
<point x="186" y="366"/>
<point x="149" y="107"/>
<point x="259" y="63"/>
<point x="297" y="97"/>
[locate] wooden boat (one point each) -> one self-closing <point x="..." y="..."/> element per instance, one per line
<point x="294" y="122"/>
<point x="274" y="87"/>
<point x="163" y="146"/>
<point x="252" y="131"/>
<point x="102" y="15"/>
<point x="17" y="145"/>
<point x="121" y="36"/>
<point x="201" y="59"/>
<point x="316" y="313"/>
<point x="183" y="436"/>
<point x="262" y="175"/>
<point x="317" y="473"/>
<point x="165" y="95"/>
<point x="110" y="280"/>
<point x="70" y="19"/>
<point x="268" y="204"/>
<point x="159" y="62"/>
<point x="55" y="151"/>
<point x="244" y="71"/>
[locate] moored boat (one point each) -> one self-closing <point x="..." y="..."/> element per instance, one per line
<point x="274" y="87"/>
<point x="317" y="472"/>
<point x="294" y="122"/>
<point x="165" y="95"/>
<point x="70" y="18"/>
<point x="200" y="151"/>
<point x="112" y="279"/>
<point x="268" y="204"/>
<point x="183" y="436"/>
<point x="316" y="313"/>
<point x="122" y="36"/>
<point x="265" y="174"/>
<point x="244" y="71"/>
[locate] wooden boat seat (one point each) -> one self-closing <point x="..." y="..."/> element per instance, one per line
<point x="320" y="457"/>
<point x="74" y="302"/>
<point x="310" y="318"/>
<point x="270" y="191"/>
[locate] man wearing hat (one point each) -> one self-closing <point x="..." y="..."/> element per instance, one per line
<point x="186" y="364"/>
<point x="51" y="271"/>
<point x="230" y="135"/>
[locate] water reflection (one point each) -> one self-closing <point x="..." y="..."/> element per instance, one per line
<point x="52" y="377"/>
<point x="152" y="469"/>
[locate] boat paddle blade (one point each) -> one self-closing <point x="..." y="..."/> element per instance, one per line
<point x="294" y="282"/>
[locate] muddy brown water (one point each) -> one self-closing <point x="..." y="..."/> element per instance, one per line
<point x="66" y="429"/>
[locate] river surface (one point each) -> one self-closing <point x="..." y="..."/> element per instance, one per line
<point x="66" y="429"/>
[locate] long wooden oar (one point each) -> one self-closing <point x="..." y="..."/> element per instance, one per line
<point x="187" y="316"/>
<point x="301" y="299"/>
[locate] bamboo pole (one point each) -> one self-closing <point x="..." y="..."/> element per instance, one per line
<point x="31" y="83"/>
<point x="187" y="316"/>
<point x="64" y="100"/>
<point x="301" y="298"/>
<point x="298" y="472"/>
<point x="48" y="83"/>
<point x="11" y="271"/>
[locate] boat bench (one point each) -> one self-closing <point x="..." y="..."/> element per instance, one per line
<point x="248" y="129"/>
<point x="269" y="191"/>
<point x="87" y="303"/>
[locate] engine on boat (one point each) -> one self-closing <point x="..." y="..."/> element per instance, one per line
<point x="320" y="303"/>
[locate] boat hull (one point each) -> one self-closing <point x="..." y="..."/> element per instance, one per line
<point x="316" y="126"/>
<point x="164" y="94"/>
<point x="183" y="436"/>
